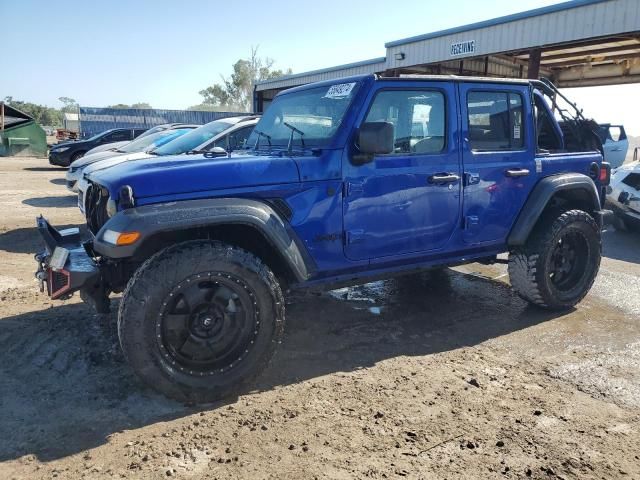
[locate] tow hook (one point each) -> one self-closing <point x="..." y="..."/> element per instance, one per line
<point x="41" y="275"/>
<point x="42" y="280"/>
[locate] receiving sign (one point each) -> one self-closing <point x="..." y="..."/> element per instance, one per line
<point x="463" y="48"/>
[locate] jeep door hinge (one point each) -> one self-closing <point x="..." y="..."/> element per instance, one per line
<point x="354" y="236"/>
<point x="471" y="222"/>
<point x="352" y="188"/>
<point x="471" y="179"/>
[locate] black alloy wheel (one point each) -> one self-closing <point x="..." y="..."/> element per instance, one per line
<point x="208" y="323"/>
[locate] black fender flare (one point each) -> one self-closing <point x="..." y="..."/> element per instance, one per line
<point x="170" y="217"/>
<point x="540" y="197"/>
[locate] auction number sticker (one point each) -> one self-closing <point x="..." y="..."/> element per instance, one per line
<point x="340" y="90"/>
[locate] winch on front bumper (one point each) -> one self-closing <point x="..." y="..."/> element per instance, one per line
<point x="65" y="266"/>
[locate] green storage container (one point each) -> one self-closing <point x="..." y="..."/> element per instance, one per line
<point x="20" y="134"/>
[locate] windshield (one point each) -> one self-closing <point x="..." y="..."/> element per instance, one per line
<point x="100" y="135"/>
<point x="152" y="141"/>
<point x="153" y="130"/>
<point x="193" y="139"/>
<point x="316" y="112"/>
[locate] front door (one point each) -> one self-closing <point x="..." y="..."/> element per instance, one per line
<point x="498" y="154"/>
<point x="408" y="201"/>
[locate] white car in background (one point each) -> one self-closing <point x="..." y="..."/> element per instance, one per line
<point x="138" y="146"/>
<point x="229" y="133"/>
<point x="614" y="143"/>
<point x="623" y="195"/>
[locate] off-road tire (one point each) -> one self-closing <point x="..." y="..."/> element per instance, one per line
<point x="141" y="310"/>
<point x="530" y="265"/>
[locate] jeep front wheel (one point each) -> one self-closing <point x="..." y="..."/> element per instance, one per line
<point x="199" y="320"/>
<point x="558" y="264"/>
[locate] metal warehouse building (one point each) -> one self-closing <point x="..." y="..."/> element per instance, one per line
<point x="576" y="43"/>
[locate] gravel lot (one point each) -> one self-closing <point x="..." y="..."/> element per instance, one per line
<point x="443" y="375"/>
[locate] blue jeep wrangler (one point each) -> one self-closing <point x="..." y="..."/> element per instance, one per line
<point x="344" y="182"/>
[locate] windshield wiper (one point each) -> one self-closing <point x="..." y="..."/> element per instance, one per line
<point x="261" y="134"/>
<point x="294" y="130"/>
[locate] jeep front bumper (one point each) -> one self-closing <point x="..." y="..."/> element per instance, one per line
<point x="64" y="267"/>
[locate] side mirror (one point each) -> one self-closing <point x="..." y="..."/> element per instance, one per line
<point x="215" y="152"/>
<point x="376" y="138"/>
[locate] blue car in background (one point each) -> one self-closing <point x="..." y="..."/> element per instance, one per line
<point x="132" y="150"/>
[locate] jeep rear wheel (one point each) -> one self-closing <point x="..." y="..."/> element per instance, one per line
<point x="199" y="320"/>
<point x="558" y="264"/>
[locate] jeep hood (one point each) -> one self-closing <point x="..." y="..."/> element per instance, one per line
<point x="186" y="176"/>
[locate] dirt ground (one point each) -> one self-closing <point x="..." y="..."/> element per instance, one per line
<point x="445" y="375"/>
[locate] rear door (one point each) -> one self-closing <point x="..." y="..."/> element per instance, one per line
<point x="406" y="202"/>
<point x="616" y="145"/>
<point x="498" y="157"/>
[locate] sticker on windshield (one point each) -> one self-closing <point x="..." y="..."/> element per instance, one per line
<point x="340" y="90"/>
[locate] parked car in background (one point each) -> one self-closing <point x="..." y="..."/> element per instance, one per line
<point x="156" y="129"/>
<point x="624" y="196"/>
<point x="65" y="153"/>
<point x="614" y="143"/>
<point x="231" y="132"/>
<point x="140" y="145"/>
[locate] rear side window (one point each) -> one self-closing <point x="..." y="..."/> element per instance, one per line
<point x="418" y="117"/>
<point x="119" y="136"/>
<point x="495" y="120"/>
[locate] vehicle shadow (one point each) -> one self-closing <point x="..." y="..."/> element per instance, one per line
<point x="28" y="239"/>
<point x="44" y="169"/>
<point x="67" y="388"/>
<point x="52" y="201"/>
<point x="621" y="245"/>
<point x="58" y="181"/>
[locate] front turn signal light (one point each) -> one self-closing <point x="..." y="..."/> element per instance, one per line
<point x="127" y="238"/>
<point x="120" y="238"/>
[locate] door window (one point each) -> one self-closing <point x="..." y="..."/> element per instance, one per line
<point x="495" y="120"/>
<point x="118" y="136"/>
<point x="236" y="140"/>
<point x="418" y="118"/>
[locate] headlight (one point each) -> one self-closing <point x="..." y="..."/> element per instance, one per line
<point x="60" y="150"/>
<point x="126" y="197"/>
<point x="112" y="208"/>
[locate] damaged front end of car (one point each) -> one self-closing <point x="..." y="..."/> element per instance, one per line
<point x="623" y="196"/>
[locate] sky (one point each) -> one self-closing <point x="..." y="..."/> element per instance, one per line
<point x="164" y="51"/>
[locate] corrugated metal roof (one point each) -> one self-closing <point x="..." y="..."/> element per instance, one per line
<point x="496" y="21"/>
<point x="584" y="20"/>
<point x="505" y="41"/>
<point x="356" y="68"/>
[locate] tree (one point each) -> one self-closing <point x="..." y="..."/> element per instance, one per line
<point x="235" y="93"/>
<point x="139" y="105"/>
<point x="70" y="105"/>
<point x="41" y="113"/>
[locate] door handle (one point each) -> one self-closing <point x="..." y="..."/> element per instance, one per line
<point x="444" y="178"/>
<point x="517" y="172"/>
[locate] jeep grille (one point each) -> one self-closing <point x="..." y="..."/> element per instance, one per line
<point x="96" y="207"/>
